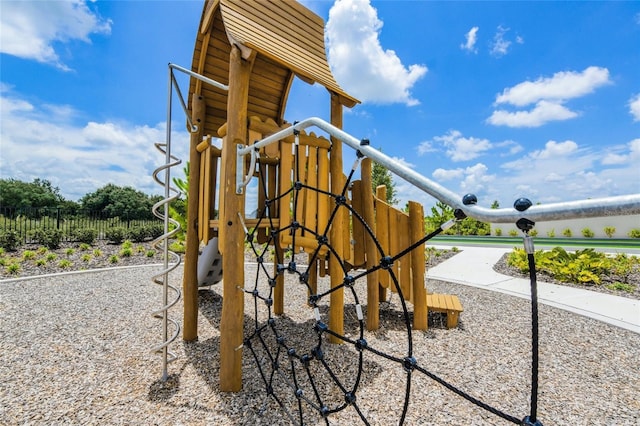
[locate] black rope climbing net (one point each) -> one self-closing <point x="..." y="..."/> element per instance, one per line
<point x="306" y="376"/>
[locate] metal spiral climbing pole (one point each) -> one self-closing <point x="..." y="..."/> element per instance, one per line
<point x="171" y="259"/>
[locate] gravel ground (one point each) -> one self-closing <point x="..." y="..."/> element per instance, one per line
<point x="75" y="350"/>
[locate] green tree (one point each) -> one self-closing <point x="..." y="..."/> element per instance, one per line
<point x="37" y="194"/>
<point x="380" y="175"/>
<point x="495" y="204"/>
<point x="118" y="201"/>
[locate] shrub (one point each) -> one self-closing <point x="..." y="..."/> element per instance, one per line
<point x="41" y="262"/>
<point x="50" y="238"/>
<point x="513" y="233"/>
<point x="126" y="252"/>
<point x="551" y="233"/>
<point x="84" y="247"/>
<point x="155" y="231"/>
<point x="533" y="232"/>
<point x="151" y="253"/>
<point x="97" y="252"/>
<point x="51" y="257"/>
<point x="498" y="232"/>
<point x="567" y="233"/>
<point x="85" y="235"/>
<point x="9" y="240"/>
<point x="138" y="234"/>
<point x="634" y="233"/>
<point x="86" y="257"/>
<point x="609" y="231"/>
<point x="115" y="235"/>
<point x="69" y="251"/>
<point x="587" y="233"/>
<point x="114" y="259"/>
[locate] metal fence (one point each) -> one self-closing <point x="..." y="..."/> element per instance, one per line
<point x="24" y="221"/>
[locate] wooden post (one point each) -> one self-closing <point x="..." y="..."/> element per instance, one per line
<point x="231" y="322"/>
<point x="416" y="230"/>
<point x="382" y="232"/>
<point x="373" y="295"/>
<point x="190" y="276"/>
<point x="336" y="309"/>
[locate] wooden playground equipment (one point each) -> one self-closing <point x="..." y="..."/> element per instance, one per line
<point x="256" y="49"/>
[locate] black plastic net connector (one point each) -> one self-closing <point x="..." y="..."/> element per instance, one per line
<point x="280" y="340"/>
<point x="313" y="299"/>
<point x="297" y="186"/>
<point x="349" y="281"/>
<point x="364" y="142"/>
<point x="291" y="267"/>
<point x="324" y="411"/>
<point x="295" y="225"/>
<point x="269" y="390"/>
<point x="322" y="239"/>
<point x="525" y="225"/>
<point x="268" y="301"/>
<point x="291" y="352"/>
<point x="281" y="267"/>
<point x="350" y="398"/>
<point x="459" y="214"/>
<point x="304" y="277"/>
<point x="341" y="200"/>
<point x="321" y="327"/>
<point x="409" y="363"/>
<point x="528" y="422"/>
<point x="260" y="259"/>
<point x="317" y="353"/>
<point x="306" y="359"/>
<point x="247" y="343"/>
<point x="361" y="344"/>
<point x="255" y="292"/>
<point x="299" y="393"/>
<point x="522" y="204"/>
<point x="386" y="262"/>
<point x="469" y="199"/>
<point x="359" y="154"/>
<point x="273" y="282"/>
<point x="271" y="322"/>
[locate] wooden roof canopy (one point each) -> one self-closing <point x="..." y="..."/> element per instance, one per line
<point x="288" y="40"/>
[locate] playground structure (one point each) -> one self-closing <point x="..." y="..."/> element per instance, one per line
<point x="245" y="59"/>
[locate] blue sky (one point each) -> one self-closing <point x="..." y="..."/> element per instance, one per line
<point x="499" y="99"/>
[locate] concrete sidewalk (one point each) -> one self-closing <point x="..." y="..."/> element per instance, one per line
<point x="473" y="266"/>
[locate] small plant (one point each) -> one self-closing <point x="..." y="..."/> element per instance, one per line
<point x="551" y="233"/>
<point x="114" y="259"/>
<point x="127" y="244"/>
<point x="609" y="231"/>
<point x="51" y="257"/>
<point x="455" y="249"/>
<point x="42" y="250"/>
<point x="4" y="261"/>
<point x="115" y="235"/>
<point x="533" y="232"/>
<point x="28" y="254"/>
<point x="634" y="233"/>
<point x="140" y="249"/>
<point x="9" y="240"/>
<point x="498" y="232"/>
<point x="126" y="252"/>
<point x="97" y="253"/>
<point x="86" y="258"/>
<point x="69" y="251"/>
<point x="65" y="264"/>
<point x="41" y="262"/>
<point x="629" y="288"/>
<point x="513" y="233"/>
<point x="84" y="247"/>
<point x="587" y="233"/>
<point x="567" y="232"/>
<point x="151" y="253"/>
<point x="85" y="235"/>
<point x="13" y="268"/>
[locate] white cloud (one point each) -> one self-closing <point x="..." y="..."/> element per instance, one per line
<point x="634" y="107"/>
<point x="79" y="159"/>
<point x="471" y="179"/>
<point x="358" y="61"/>
<point x="542" y="113"/>
<point x="549" y="95"/>
<point x="459" y="148"/>
<point x="500" y="45"/>
<point x="561" y="87"/>
<point x="444" y="174"/>
<point x="30" y="29"/>
<point x="626" y="155"/>
<point x="471" y="37"/>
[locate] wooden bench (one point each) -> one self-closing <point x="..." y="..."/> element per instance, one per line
<point x="447" y="303"/>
